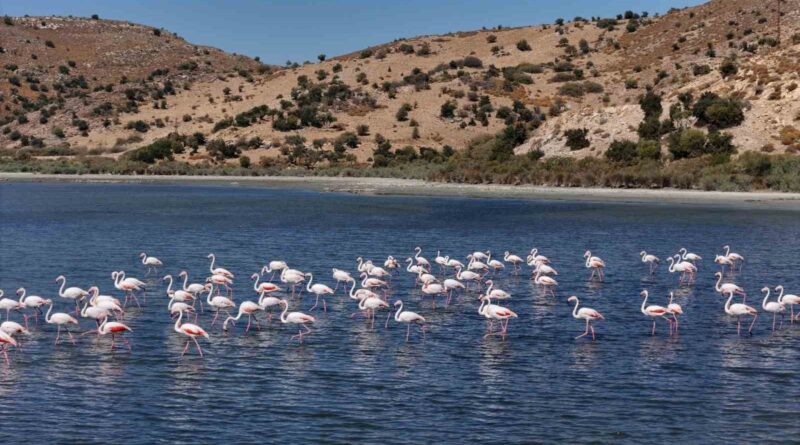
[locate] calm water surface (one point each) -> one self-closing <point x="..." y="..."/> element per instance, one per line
<point x="348" y="383"/>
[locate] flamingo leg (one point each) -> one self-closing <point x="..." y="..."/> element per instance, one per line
<point x="199" y="349"/>
<point x="586" y="332"/>
<point x="249" y="319"/>
<point x="185" y="348"/>
<point x="654" y="328"/>
<point x="774" y="317"/>
<point x="592" y="327"/>
<point x="752" y="323"/>
<point x="58" y="334"/>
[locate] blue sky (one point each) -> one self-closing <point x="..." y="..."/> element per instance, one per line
<point x="298" y="30"/>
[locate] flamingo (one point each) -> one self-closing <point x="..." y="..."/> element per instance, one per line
<point x="221" y="281"/>
<point x="5" y="340"/>
<point x="651" y="260"/>
<point x="191" y="331"/>
<point x="391" y="263"/>
<point x="513" y="259"/>
<point x="264" y="286"/>
<point x="220" y="303"/>
<point x="268" y="301"/>
<point x="152" y="263"/>
<point x="421" y="261"/>
<point x="594" y="263"/>
<point x="739" y="309"/>
<point x="60" y="319"/>
<point x="735" y="257"/>
<point x="425" y="278"/>
<point x="725" y="261"/>
<point x="106" y="302"/>
<point x="475" y="264"/>
<point x="450" y="285"/>
<point x="494" y="312"/>
<point x="408" y="317"/>
<point x="13" y="328"/>
<point x="684" y="267"/>
<point x="370" y="305"/>
<point x="585" y="313"/>
<point x="773" y="306"/>
<point x="432" y="290"/>
<point x="544" y="269"/>
<point x="194" y="288"/>
<point x="293" y="277"/>
<point x="675" y="309"/>
<point x="174" y="307"/>
<point x="273" y="267"/>
<point x="441" y="261"/>
<point x="319" y="290"/>
<point x="363" y="266"/>
<point x="688" y="256"/>
<point x="654" y="311"/>
<point x="379" y="272"/>
<point x="296" y="318"/>
<point x="34" y="302"/>
<point x="372" y="283"/>
<point x="128" y="285"/>
<point x="546" y="282"/>
<point x="218" y="270"/>
<point x="340" y="276"/>
<point x="180" y="294"/>
<point x="114" y="328"/>
<point x="8" y="304"/>
<point x="478" y="255"/>
<point x="467" y="275"/>
<point x="95" y="313"/>
<point x="412" y="268"/>
<point x="497" y="294"/>
<point x="452" y="262"/>
<point x="725" y="288"/>
<point x="534" y="257"/>
<point x="788" y="299"/>
<point x="71" y="293"/>
<point x="495" y="265"/>
<point x="248" y="308"/>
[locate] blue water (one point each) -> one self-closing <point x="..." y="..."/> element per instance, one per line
<point x="348" y="383"/>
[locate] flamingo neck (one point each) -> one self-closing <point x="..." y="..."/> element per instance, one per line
<point x="361" y="304"/>
<point x="717" y="286"/>
<point x="780" y="297"/>
<point x="102" y="325"/>
<point x="644" y="302"/>
<point x="728" y="303"/>
<point x="169" y="286"/>
<point x="144" y="259"/>
<point x="310" y="279"/>
<point x="727" y="250"/>
<point x="21" y="297"/>
<point x="178" y="322"/>
<point x="210" y="291"/>
<point x="61" y="289"/>
<point x="213" y="259"/>
<point x="169" y="304"/>
<point x="352" y="290"/>
<point x="575" y="311"/>
<point x="185" y="281"/>
<point x="85" y="306"/>
<point x="285" y="309"/>
<point x="399" y="310"/>
<point x="47" y="315"/>
<point x="255" y="284"/>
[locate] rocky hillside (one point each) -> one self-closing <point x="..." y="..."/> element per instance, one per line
<point x="72" y="86"/>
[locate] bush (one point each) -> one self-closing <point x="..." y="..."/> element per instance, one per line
<point x="472" y="62"/>
<point x="728" y="68"/>
<point x="402" y="112"/>
<point x="648" y="149"/>
<point x="523" y="45"/>
<point x="58" y="132"/>
<point x="651" y="105"/>
<point x="362" y="130"/>
<point x="700" y="70"/>
<point x="688" y="143"/>
<point x="49" y="44"/>
<point x="717" y="112"/>
<point x="576" y="138"/>
<point x="406" y="48"/>
<point x="623" y="152"/>
<point x="448" y="109"/>
<point x="244" y="162"/>
<point x="348" y="139"/>
<point x="149" y="154"/>
<point x="491" y="38"/>
<point x="631" y="84"/>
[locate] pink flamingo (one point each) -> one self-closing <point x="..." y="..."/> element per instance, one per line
<point x="114" y="328"/>
<point x="31" y="301"/>
<point x="494" y="312"/>
<point x="369" y="305"/>
<point x="151" y="263"/>
<point x="9" y="304"/>
<point x="773" y="306"/>
<point x="192" y="331"/>
<point x="546" y="282"/>
<point x="5" y="340"/>
<point x="274" y="266"/>
<point x="585" y="313"/>
<point x="218" y="270"/>
<point x="788" y="299"/>
<point x="726" y="288"/>
<point x="408" y="317"/>
<point x="71" y="293"/>
<point x="60" y="319"/>
<point x="248" y="308"/>
<point x="596" y="264"/>
<point x="264" y="286"/>
<point x="654" y="311"/>
<point x="739" y="309"/>
<point x="297" y="318"/>
<point x="320" y="290"/>
<point x="652" y="261"/>
<point x="515" y="260"/>
<point x="675" y="309"/>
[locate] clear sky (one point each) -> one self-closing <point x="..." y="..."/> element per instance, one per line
<point x="298" y="30"/>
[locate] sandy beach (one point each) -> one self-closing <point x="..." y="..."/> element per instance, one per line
<point x="409" y="187"/>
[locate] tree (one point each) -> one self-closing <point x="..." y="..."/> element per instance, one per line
<point x="244" y="162"/>
<point x="523" y="45"/>
<point x="321" y="57"/>
<point x="650" y="103"/>
<point x="402" y="112"/>
<point x="576" y="138"/>
<point x="648" y="149"/>
<point x="623" y="152"/>
<point x="448" y="109"/>
<point x="688" y="143"/>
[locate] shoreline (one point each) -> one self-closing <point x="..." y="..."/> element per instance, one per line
<point x="414" y="187"/>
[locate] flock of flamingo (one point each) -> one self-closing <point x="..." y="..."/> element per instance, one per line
<point x="441" y="278"/>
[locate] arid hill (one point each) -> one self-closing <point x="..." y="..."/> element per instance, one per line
<point x="80" y="85"/>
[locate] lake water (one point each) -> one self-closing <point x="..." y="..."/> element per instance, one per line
<point x="350" y="384"/>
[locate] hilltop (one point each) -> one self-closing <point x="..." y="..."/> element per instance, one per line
<point x="93" y="87"/>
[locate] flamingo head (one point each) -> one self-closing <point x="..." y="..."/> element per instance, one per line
<point x="587" y="254"/>
<point x="718" y="274"/>
<point x="61" y="277"/>
<point x="642" y="253"/>
<point x="489" y="282"/>
<point x="94" y="289"/>
<point x="20" y="290"/>
<point x="726" y="247"/>
<point x="572" y="299"/>
<point x="48" y="301"/>
<point x="254" y="276"/>
<point x="778" y="288"/>
<point x="408" y="260"/>
<point x="166" y="277"/>
<point x="643" y="293"/>
<point x="210" y="255"/>
<point x="183" y="273"/>
<point x="264" y="269"/>
<point x="398" y="302"/>
<point x="142" y="255"/>
<point x="506" y="253"/>
<point x="765" y="289"/>
<point x="283" y="302"/>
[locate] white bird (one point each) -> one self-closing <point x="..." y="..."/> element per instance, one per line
<point x="726" y="288"/>
<point x="34" y="302"/>
<point x="513" y="259"/>
<point x="788" y="300"/>
<point x="433" y="290"/>
<point x="478" y="255"/>
<point x="8" y="304"/>
<point x="152" y="263"/>
<point x="114" y="328"/>
<point x="546" y="282"/>
<point x="652" y="261"/>
<point x="192" y="331"/>
<point x="370" y="305"/>
<point x="534" y="257"/>
<point x="687" y="269"/>
<point x="60" y="319"/>
<point x="220" y="303"/>
<point x="248" y="308"/>
<point x="194" y="288"/>
<point x="467" y="275"/>
<point x="217" y="270"/>
<point x="688" y="256"/>
<point x="341" y="276"/>
<point x="545" y="269"/>
<point x="451" y="285"/>
<point x="408" y="317"/>
<point x="494" y="312"/>
<point x="293" y="277"/>
<point x="775" y="307"/>
<point x="654" y="311"/>
<point x="391" y="263"/>
<point x="71" y="293"/>
<point x="319" y="290"/>
<point x="585" y="313"/>
<point x="425" y="278"/>
<point x="264" y="286"/>
<point x="739" y="309"/>
<point x="495" y="265"/>
<point x="421" y="261"/>
<point x="596" y="264"/>
<point x="6" y="339"/>
<point x="412" y="268"/>
<point x="675" y="309"/>
<point x="496" y="294"/>
<point x="298" y="318"/>
<point x="274" y="266"/>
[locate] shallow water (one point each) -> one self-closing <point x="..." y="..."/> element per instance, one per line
<point x="348" y="383"/>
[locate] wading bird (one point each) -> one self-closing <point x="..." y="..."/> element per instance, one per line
<point x="739" y="309"/>
<point x="151" y="263"/>
<point x="585" y="313"/>
<point x="408" y="317"/>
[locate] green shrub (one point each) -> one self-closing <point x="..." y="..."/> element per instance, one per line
<point x="728" y="67"/>
<point x="159" y="149"/>
<point x="523" y="45"/>
<point x="648" y="149"/>
<point x="576" y="138"/>
<point x="402" y="112"/>
<point x="623" y="152"/>
<point x="448" y="109"/>
<point x="717" y="112"/>
<point x="687" y="143"/>
<point x="244" y="162"/>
